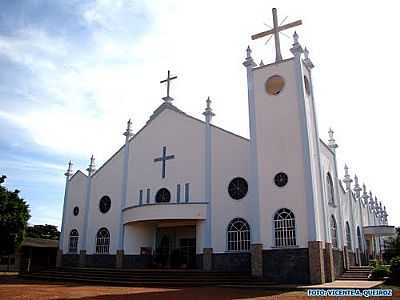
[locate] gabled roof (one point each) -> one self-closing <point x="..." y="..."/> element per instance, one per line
<point x="155" y="114"/>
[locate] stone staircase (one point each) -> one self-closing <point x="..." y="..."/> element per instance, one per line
<point x="356" y="273"/>
<point x="146" y="277"/>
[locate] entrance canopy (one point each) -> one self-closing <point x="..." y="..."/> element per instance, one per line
<point x="165" y="211"/>
<point x="379" y="230"/>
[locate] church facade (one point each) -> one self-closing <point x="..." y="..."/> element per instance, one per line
<point x="183" y="193"/>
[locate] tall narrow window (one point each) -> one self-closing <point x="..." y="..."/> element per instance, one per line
<point x="148" y="196"/>
<point x="359" y="238"/>
<point x="238" y="238"/>
<point x="333" y="228"/>
<point x="103" y="241"/>
<point x="285" y="228"/>
<point x="178" y="193"/>
<point x="348" y="236"/>
<point x="140" y="197"/>
<point x="329" y="188"/>
<point x="73" y="241"/>
<point x="187" y="191"/>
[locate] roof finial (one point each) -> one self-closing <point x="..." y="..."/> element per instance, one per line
<point x="357" y="188"/>
<point x="296" y="47"/>
<point x="307" y="60"/>
<point x="208" y="113"/>
<point x="365" y="195"/>
<point x="69" y="170"/>
<point x="249" y="62"/>
<point x="332" y="142"/>
<point x="347" y="180"/>
<point x="128" y="131"/>
<point x="261" y="63"/>
<point x="92" y="167"/>
<point x="371" y="201"/>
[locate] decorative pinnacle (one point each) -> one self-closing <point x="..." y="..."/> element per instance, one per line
<point x="261" y="63"/>
<point x="347" y="180"/>
<point x="296" y="47"/>
<point x="69" y="170"/>
<point x="249" y="62"/>
<point x="332" y="142"/>
<point x="371" y="201"/>
<point x="128" y="131"/>
<point x="307" y="60"/>
<point x="365" y="195"/>
<point x="357" y="188"/>
<point x="208" y="113"/>
<point x="92" y="166"/>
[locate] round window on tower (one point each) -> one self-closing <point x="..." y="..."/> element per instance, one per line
<point x="274" y="85"/>
<point x="307" y="85"/>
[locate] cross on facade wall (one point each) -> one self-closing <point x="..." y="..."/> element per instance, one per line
<point x="275" y="31"/>
<point x="163" y="159"/>
<point x="168" y="80"/>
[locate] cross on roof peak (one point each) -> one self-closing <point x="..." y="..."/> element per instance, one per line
<point x="276" y="29"/>
<point x="167" y="80"/>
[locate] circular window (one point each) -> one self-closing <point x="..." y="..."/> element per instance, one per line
<point x="76" y="210"/>
<point x="163" y="195"/>
<point x="274" y="85"/>
<point x="105" y="204"/>
<point x="281" y="179"/>
<point x="238" y="188"/>
<point x="307" y="85"/>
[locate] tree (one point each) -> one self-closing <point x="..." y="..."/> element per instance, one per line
<point x="43" y="232"/>
<point x="14" y="215"/>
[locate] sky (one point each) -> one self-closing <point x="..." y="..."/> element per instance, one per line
<point x="73" y="72"/>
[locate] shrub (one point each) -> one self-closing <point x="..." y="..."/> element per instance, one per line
<point x="395" y="269"/>
<point x="380" y="271"/>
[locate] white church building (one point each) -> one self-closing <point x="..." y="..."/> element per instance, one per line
<point x="184" y="193"/>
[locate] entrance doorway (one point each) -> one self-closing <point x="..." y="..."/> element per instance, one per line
<point x="176" y="247"/>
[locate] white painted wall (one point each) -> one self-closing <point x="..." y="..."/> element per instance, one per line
<point x="76" y="197"/>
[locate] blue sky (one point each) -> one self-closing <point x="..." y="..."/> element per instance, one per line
<point x="42" y="45"/>
<point x="73" y="72"/>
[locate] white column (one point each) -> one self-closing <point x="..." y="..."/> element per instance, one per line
<point x="297" y="50"/>
<point x="91" y="169"/>
<point x="124" y="188"/>
<point x="67" y="178"/>
<point x="347" y="180"/>
<point x="308" y="63"/>
<point x="208" y="174"/>
<point x="253" y="186"/>
<point x="333" y="146"/>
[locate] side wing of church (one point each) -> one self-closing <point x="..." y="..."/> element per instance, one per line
<point x="183" y="193"/>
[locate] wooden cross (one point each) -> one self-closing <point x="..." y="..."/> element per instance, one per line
<point x="168" y="98"/>
<point x="275" y="31"/>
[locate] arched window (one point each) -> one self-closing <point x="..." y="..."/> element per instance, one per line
<point x="285" y="228"/>
<point x="238" y="235"/>
<point x="333" y="227"/>
<point x="103" y="241"/>
<point x="329" y="188"/>
<point x="348" y="236"/>
<point x="359" y="238"/>
<point x="73" y="241"/>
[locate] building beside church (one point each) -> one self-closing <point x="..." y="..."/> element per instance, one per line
<point x="183" y="193"/>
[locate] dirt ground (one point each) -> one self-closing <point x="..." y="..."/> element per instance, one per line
<point x="18" y="289"/>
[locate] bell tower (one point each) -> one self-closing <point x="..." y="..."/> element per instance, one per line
<point x="284" y="145"/>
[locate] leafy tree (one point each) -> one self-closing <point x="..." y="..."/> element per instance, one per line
<point x="14" y="215"/>
<point x="43" y="232"/>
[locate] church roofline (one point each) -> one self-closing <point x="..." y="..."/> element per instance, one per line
<point x="78" y="171"/>
<point x="157" y="112"/>
<point x="327" y="147"/>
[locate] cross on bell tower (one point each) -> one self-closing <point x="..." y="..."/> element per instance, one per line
<point x="276" y="29"/>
